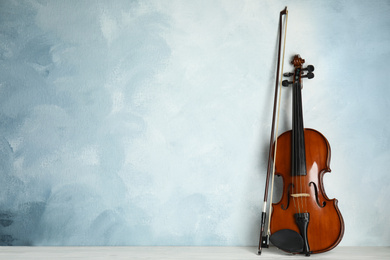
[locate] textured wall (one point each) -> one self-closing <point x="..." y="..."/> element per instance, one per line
<point x="147" y="123"/>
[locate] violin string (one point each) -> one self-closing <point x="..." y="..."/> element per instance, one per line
<point x="301" y="178"/>
<point x="296" y="174"/>
<point x="301" y="186"/>
<point x="277" y="126"/>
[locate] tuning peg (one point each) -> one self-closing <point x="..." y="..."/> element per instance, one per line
<point x="288" y="74"/>
<point x="309" y="68"/>
<point x="309" y="75"/>
<point x="285" y="83"/>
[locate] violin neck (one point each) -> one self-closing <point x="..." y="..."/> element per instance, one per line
<point x="298" y="159"/>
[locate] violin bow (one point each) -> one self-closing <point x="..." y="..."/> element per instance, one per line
<point x="264" y="240"/>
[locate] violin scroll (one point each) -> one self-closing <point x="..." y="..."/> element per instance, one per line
<point x="297" y="61"/>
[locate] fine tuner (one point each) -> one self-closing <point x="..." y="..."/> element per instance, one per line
<point x="309" y="75"/>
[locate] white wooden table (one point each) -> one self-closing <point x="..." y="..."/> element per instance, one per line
<point x="183" y="253"/>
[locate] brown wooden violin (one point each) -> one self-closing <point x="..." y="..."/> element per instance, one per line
<point x="302" y="158"/>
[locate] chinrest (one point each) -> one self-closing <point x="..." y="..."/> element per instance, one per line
<point x="288" y="240"/>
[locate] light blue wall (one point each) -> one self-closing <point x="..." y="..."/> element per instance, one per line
<point x="147" y="123"/>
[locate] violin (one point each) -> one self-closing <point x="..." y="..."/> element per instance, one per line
<point x="305" y="220"/>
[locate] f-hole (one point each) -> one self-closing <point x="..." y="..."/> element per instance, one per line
<point x="288" y="196"/>
<point x="316" y="192"/>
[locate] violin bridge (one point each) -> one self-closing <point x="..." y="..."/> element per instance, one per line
<point x="298" y="195"/>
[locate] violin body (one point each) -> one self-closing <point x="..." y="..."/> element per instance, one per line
<point x="305" y="193"/>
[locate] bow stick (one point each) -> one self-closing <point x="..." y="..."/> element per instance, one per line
<point x="264" y="240"/>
